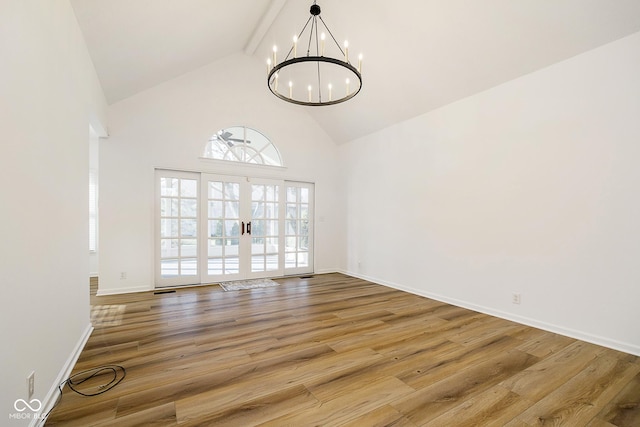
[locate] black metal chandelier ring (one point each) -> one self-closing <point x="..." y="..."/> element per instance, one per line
<point x="273" y="86"/>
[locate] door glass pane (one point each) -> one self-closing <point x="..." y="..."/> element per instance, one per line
<point x="215" y="247"/>
<point x="232" y="228"/>
<point x="188" y="267"/>
<point x="231" y="246"/>
<point x="169" y="248"/>
<point x="232" y="209"/>
<point x="178" y="213"/>
<point x="215" y="266"/>
<point x="188" y="208"/>
<point x="215" y="209"/>
<point x="215" y="190"/>
<point x="272" y="262"/>
<point x="231" y="265"/>
<point x="188" y="227"/>
<point x="188" y="247"/>
<point x="232" y="191"/>
<point x="188" y="188"/>
<point x="169" y="186"/>
<point x="169" y="267"/>
<point x="257" y="263"/>
<point x="168" y="228"/>
<point x="168" y="206"/>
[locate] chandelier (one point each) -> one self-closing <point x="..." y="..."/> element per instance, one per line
<point x="323" y="75"/>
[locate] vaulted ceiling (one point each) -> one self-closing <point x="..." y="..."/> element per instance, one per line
<point x="418" y="54"/>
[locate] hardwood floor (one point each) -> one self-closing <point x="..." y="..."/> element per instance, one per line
<point x="334" y="350"/>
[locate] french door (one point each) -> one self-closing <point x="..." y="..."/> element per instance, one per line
<point x="213" y="228"/>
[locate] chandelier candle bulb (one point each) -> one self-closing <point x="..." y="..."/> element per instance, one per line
<point x="330" y="87"/>
<point x="360" y="63"/>
<point x="347" y="83"/>
<point x="295" y="46"/>
<point x="309" y="88"/>
<point x="290" y="89"/>
<point x="276" y="82"/>
<point x="322" y="37"/>
<point x="346" y="51"/>
<point x="275" y="50"/>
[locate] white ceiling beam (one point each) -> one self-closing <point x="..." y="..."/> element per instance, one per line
<point x="267" y="20"/>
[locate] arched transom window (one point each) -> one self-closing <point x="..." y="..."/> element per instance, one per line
<point x="244" y="145"/>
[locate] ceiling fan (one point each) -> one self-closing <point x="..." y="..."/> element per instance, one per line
<point x="225" y="136"/>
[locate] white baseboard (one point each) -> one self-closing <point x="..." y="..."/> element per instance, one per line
<point x="118" y="291"/>
<point x="572" y="333"/>
<point x="52" y="396"/>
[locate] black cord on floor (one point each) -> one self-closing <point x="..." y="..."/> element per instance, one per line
<point x="80" y="377"/>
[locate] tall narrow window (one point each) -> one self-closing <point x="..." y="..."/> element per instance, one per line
<point x="244" y="145"/>
<point x="298" y="251"/>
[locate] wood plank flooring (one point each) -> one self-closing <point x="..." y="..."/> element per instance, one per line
<point x="333" y="350"/>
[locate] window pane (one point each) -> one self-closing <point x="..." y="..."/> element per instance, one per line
<point x="272" y="245"/>
<point x="232" y="228"/>
<point x="271" y="210"/>
<point x="232" y="191"/>
<point x="242" y="144"/>
<point x="168" y="228"/>
<point x="189" y="267"/>
<point x="290" y="260"/>
<point x="257" y="228"/>
<point x="292" y="211"/>
<point x="215" y="247"/>
<point x="169" y="186"/>
<point x="169" y="267"/>
<point x="215" y="190"/>
<point x="168" y="207"/>
<point x="188" y="188"/>
<point x="168" y="248"/>
<point x="188" y="247"/>
<point x="257" y="246"/>
<point x="188" y="227"/>
<point x="257" y="210"/>
<point x="272" y="191"/>
<point x="189" y="208"/>
<point x="272" y="262"/>
<point x="270" y="156"/>
<point x="303" y="259"/>
<point x="292" y="227"/>
<point x="214" y="266"/>
<point x="292" y="194"/>
<point x="232" y="209"/>
<point x="215" y="209"/>
<point x="215" y="228"/>
<point x="257" y="193"/>
<point x="257" y="263"/>
<point x="231" y="246"/>
<point x="231" y="266"/>
<point x="304" y="195"/>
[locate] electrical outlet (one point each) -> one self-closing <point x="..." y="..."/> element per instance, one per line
<point x="31" y="383"/>
<point x="123" y="275"/>
<point x="515" y="298"/>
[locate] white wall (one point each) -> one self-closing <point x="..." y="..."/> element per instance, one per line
<point x="530" y="187"/>
<point x="168" y="127"/>
<point x="49" y="93"/>
<point x="94" y="165"/>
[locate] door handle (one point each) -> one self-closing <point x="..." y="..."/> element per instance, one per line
<point x="249" y="227"/>
<point x="242" y="228"/>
